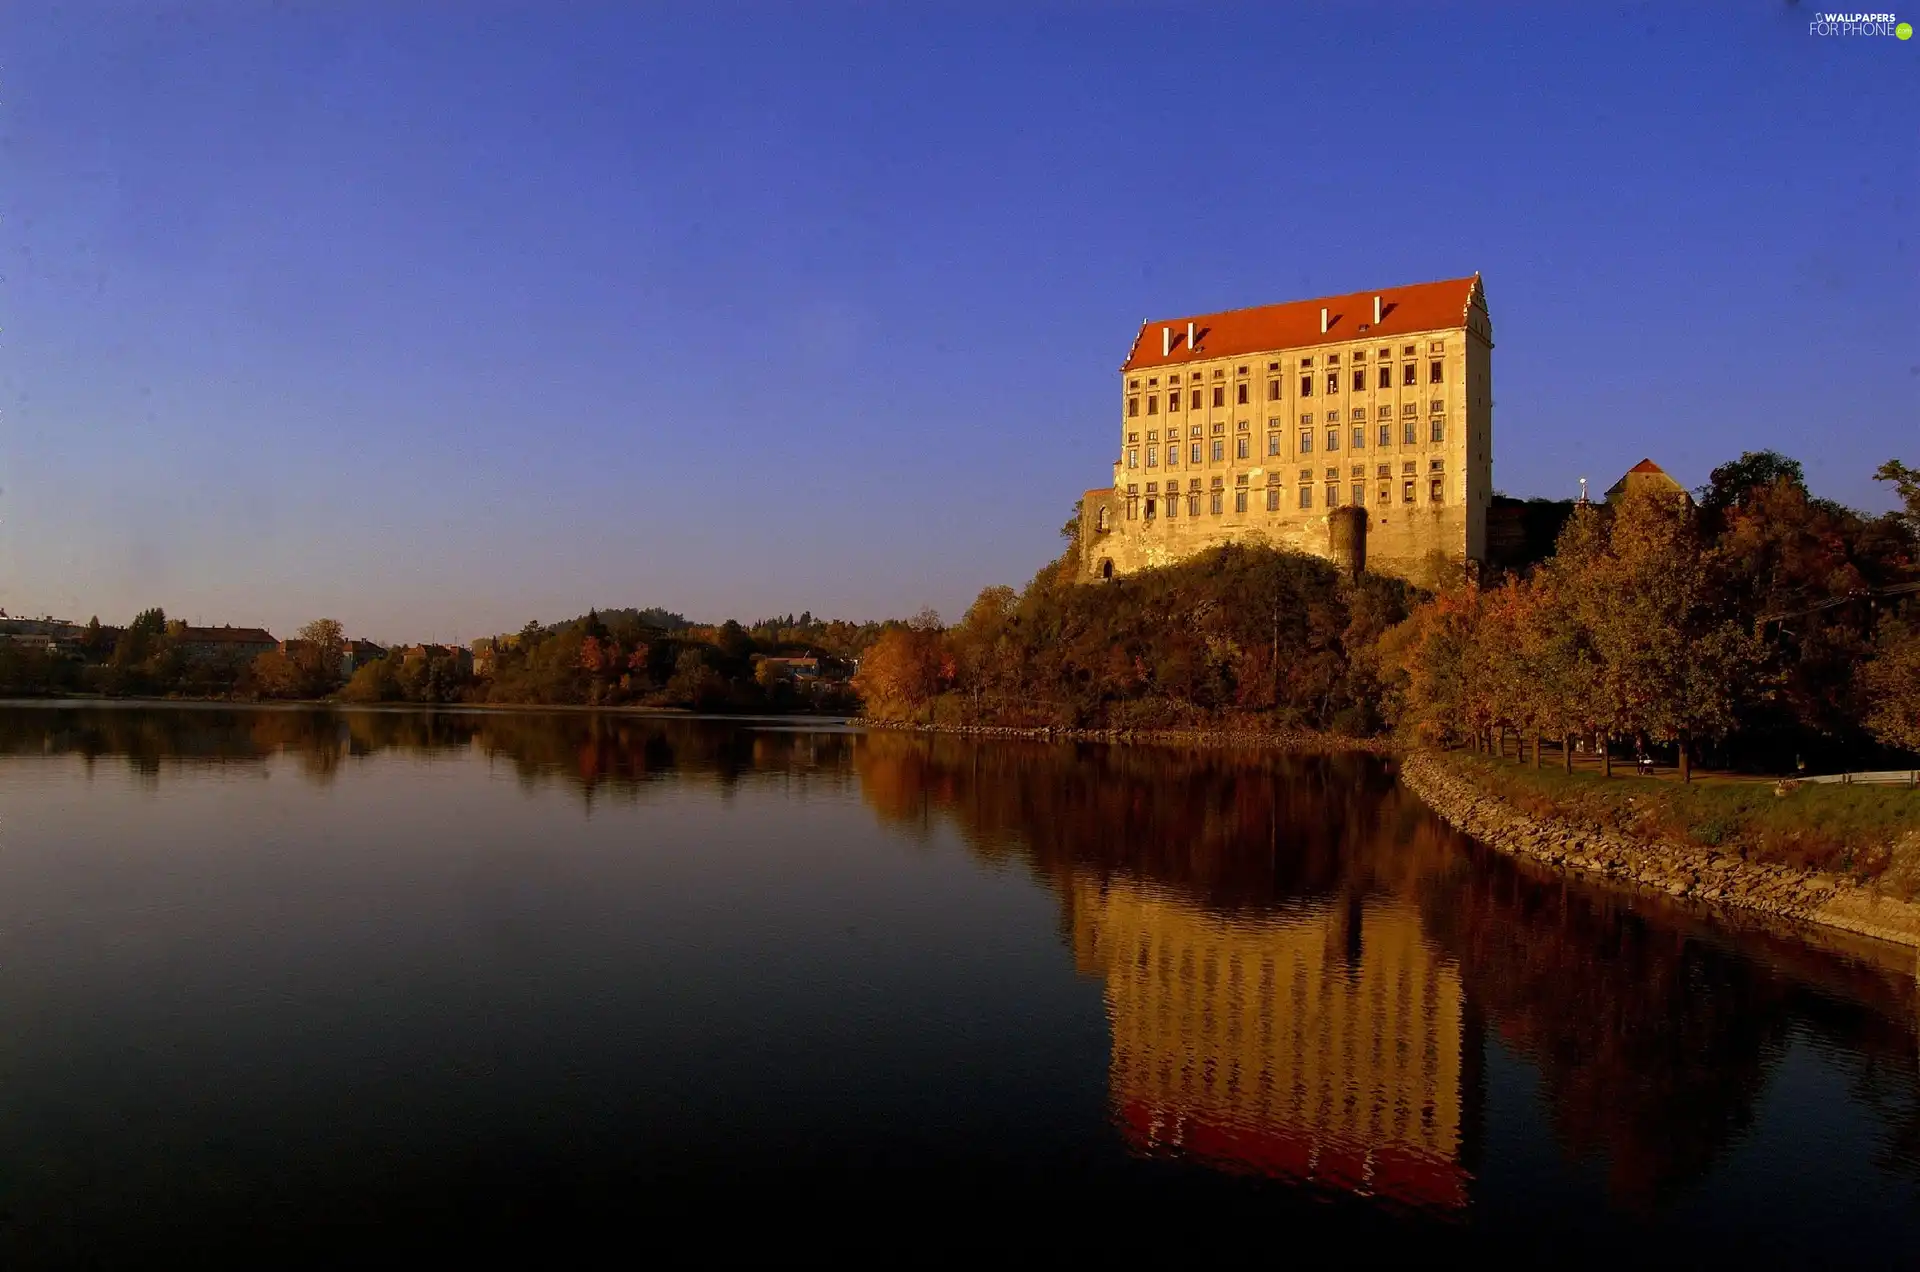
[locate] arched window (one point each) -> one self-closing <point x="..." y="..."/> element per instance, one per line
<point x="1100" y="522"/>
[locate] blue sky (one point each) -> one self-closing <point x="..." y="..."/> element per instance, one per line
<point x="437" y="317"/>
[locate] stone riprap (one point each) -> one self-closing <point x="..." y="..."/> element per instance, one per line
<point x="1699" y="874"/>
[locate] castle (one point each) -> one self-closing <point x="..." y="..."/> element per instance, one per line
<point x="1357" y="427"/>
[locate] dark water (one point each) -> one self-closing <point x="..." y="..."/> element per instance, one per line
<point x="289" y="981"/>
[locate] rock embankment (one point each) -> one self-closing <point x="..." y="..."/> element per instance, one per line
<point x="1694" y="873"/>
<point x="1267" y="739"/>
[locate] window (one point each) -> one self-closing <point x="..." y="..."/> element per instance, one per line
<point x="1273" y="498"/>
<point x="1406" y="351"/>
<point x="1385" y="353"/>
<point x="1193" y="503"/>
<point x="1273" y="443"/>
<point x="1195" y="456"/>
<point x="1219" y="375"/>
<point x="1436" y="465"/>
<point x="1359" y="379"/>
<point x="1153" y="487"/>
<point x="1406" y="373"/>
<point x="1333" y="497"/>
<point x="1386" y="495"/>
<point x="1153" y="435"/>
<point x="1333" y="381"/>
<point x="1333" y="439"/>
<point x="1406" y="492"/>
<point x="1240" y="394"/>
<point x="1407" y="435"/>
<point x="1240" y="449"/>
<point x="1195" y="404"/>
<point x="1173" y="499"/>
<point x="1173" y="379"/>
<point x="1193" y="430"/>
<point x="1434" y="489"/>
<point x="1436" y="346"/>
<point x="1359" y="436"/>
<point x="1153" y="456"/>
<point x="1410" y="409"/>
<point x="1386" y="412"/>
<point x="1359" y="414"/>
<point x="1242" y="426"/>
<point x="1100" y="522"/>
<point x="1306" y="386"/>
<point x="1240" y="501"/>
<point x="1173" y="401"/>
<point x="1306" y="443"/>
<point x="1133" y="408"/>
<point x="1273" y="366"/>
<point x="1333" y="359"/>
<point x="1306" y="420"/>
<point x="1219" y="449"/>
<point x="1219" y="428"/>
<point x="1133" y="508"/>
<point x="1386" y="376"/>
<point x="1384" y="471"/>
<point x="1153" y="405"/>
<point x="1406" y="468"/>
<point x="1437" y="406"/>
<point x="1306" y="495"/>
<point x="1219" y="395"/>
<point x="1241" y="371"/>
<point x="1305" y="363"/>
<point x="1433" y="371"/>
<point x="1439" y="429"/>
<point x="1359" y="355"/>
<point x="1273" y="390"/>
<point x="1359" y="498"/>
<point x="1386" y="435"/>
<point x="1333" y="417"/>
<point x="1216" y="501"/>
<point x="1151" y="501"/>
<point x="1133" y="384"/>
<point x="1133" y="457"/>
<point x="1173" y="455"/>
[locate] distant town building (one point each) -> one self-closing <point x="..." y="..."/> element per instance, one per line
<point x="1647" y="475"/>
<point x="1355" y="427"/>
<point x="222" y="644"/>
<point x="459" y="655"/>
<point x="353" y="653"/>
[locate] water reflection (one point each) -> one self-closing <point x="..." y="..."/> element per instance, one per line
<point x="1303" y="972"/>
<point x="1298" y="960"/>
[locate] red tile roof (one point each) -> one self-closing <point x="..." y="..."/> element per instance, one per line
<point x="1296" y="323"/>
<point x="1646" y="466"/>
<point x="227" y="636"/>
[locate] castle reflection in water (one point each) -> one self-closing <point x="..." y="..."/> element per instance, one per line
<point x="1323" y="1047"/>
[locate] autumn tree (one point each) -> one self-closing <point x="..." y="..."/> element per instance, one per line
<point x="317" y="659"/>
<point x="902" y="672"/>
<point x="1891" y="681"/>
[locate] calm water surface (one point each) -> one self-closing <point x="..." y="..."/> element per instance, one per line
<point x="289" y="979"/>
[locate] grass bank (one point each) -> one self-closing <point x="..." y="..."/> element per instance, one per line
<point x="1867" y="834"/>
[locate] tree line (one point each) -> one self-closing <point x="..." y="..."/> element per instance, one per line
<point x="1753" y="620"/>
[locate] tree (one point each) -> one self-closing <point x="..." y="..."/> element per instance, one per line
<point x="1906" y="482"/>
<point x="273" y="675"/>
<point x="1733" y="483"/>
<point x="901" y="673"/>
<point x="1671" y="662"/>
<point x="322" y="643"/>
<point x="694" y="683"/>
<point x="1892" y="686"/>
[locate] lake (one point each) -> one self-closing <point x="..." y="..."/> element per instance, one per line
<point x="280" y="980"/>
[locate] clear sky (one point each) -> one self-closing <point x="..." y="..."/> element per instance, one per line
<point x="438" y="317"/>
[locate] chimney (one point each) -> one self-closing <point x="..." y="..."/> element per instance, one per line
<point x="1323" y="320"/>
<point x="1166" y="341"/>
<point x="1189" y="337"/>
<point x="1376" y="311"/>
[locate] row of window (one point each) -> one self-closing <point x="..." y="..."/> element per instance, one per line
<point x="1358" y="415"/>
<point x="1333" y="360"/>
<point x="1409" y="376"/>
<point x="1356" y="493"/>
<point x="1216" y="449"/>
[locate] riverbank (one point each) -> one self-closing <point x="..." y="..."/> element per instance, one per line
<point x="1269" y="739"/>
<point x="1736" y="873"/>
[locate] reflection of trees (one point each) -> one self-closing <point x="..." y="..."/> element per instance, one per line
<point x="1655" y="1040"/>
<point x="1655" y="1034"/>
<point x="596" y="754"/>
